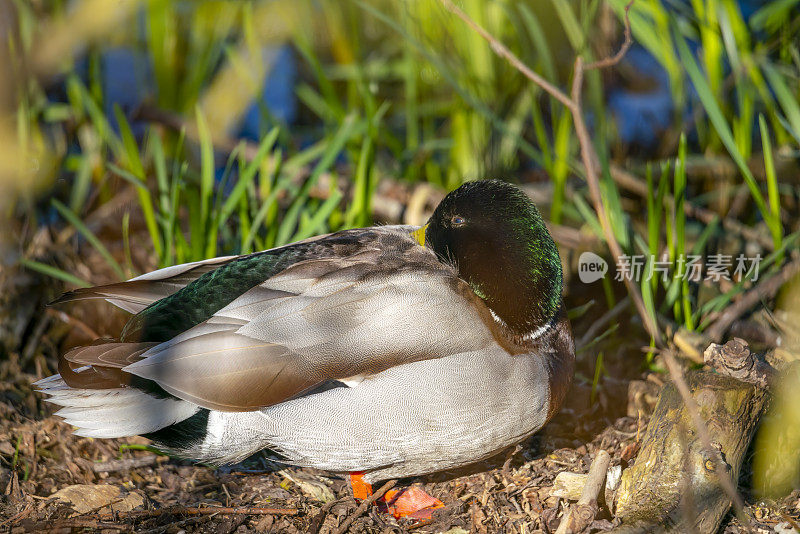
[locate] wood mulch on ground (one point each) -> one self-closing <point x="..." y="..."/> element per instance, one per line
<point x="55" y="481"/>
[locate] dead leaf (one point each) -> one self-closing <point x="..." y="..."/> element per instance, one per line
<point x="312" y="488"/>
<point x="129" y="502"/>
<point x="13" y="491"/>
<point x="630" y="451"/>
<point x="6" y="448"/>
<point x="85" y="498"/>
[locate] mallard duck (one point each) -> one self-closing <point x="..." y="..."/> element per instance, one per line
<point x="388" y="352"/>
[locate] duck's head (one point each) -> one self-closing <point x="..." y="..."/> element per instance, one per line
<point x="492" y="233"/>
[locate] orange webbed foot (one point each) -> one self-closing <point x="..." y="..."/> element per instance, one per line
<point x="405" y="503"/>
<point x="361" y="489"/>
<point x="411" y="503"/>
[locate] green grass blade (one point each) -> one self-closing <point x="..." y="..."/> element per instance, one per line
<point x="316" y="224"/>
<point x="562" y="144"/>
<point x="589" y="216"/>
<point x="598" y="371"/>
<point x="53" y="272"/>
<point x="267" y="207"/>
<point x="646" y="285"/>
<point x="679" y="189"/>
<point x="787" y="99"/>
<point x="81" y="185"/>
<point x="358" y="214"/>
<point x="131" y="149"/>
<point x="206" y="186"/>
<point x="773" y="196"/>
<point x="542" y="47"/>
<point x="96" y="115"/>
<point x="470" y="99"/>
<point x="160" y="170"/>
<point x="146" y="205"/>
<point x="126" y="244"/>
<point x="717" y="118"/>
<point x="772" y="14"/>
<point x="246" y="177"/>
<point x="75" y="221"/>
<point x="572" y="28"/>
<point x="349" y="128"/>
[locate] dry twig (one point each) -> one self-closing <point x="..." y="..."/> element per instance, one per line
<point x="598" y="325"/>
<point x="590" y="161"/>
<point x="588" y="153"/>
<point x="636" y="185"/>
<point x="69" y="319"/>
<point x="626" y="44"/>
<point x="13" y="520"/>
<point x="188" y="510"/>
<point x="319" y="519"/>
<point x="764" y="289"/>
<point x="364" y="505"/>
<point x="124" y="465"/>
<point x="77" y="523"/>
<point x="581" y="514"/>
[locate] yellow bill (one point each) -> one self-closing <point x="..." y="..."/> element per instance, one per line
<point x="419" y="235"/>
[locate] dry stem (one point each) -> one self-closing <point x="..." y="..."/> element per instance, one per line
<point x="591" y="161"/>
<point x="581" y="514"/>
<point x="588" y="153"/>
<point x="364" y="505"/>
<point x="765" y="289"/>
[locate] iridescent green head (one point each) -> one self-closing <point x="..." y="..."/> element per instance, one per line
<point x="495" y="237"/>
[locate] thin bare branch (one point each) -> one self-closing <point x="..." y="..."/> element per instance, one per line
<point x="634" y="184"/>
<point x="588" y="153"/>
<point x="581" y="514"/>
<point x="591" y="163"/>
<point x="626" y="44"/>
<point x="365" y="504"/>
<point x="126" y="464"/>
<point x="192" y="510"/>
<point x="600" y="323"/>
<point x="764" y="289"/>
<point x="501" y="50"/>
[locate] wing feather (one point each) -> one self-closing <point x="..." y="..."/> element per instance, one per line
<point x="365" y="301"/>
<point x="114" y="355"/>
<point x="137" y="293"/>
<point x="317" y="321"/>
<point x="225" y="371"/>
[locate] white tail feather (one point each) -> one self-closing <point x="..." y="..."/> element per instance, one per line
<point x="113" y="413"/>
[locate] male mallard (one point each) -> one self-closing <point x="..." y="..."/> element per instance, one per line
<point x="390" y="351"/>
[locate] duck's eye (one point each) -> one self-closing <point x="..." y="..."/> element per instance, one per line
<point x="457" y="220"/>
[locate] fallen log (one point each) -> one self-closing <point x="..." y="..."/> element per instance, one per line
<point x="677" y="483"/>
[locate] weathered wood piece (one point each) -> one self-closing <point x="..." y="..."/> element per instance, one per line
<point x="581" y="514"/>
<point x="675" y="484"/>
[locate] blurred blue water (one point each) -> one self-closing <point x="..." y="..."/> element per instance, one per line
<point x="126" y="79"/>
<point x="641" y="116"/>
<point x="277" y="103"/>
